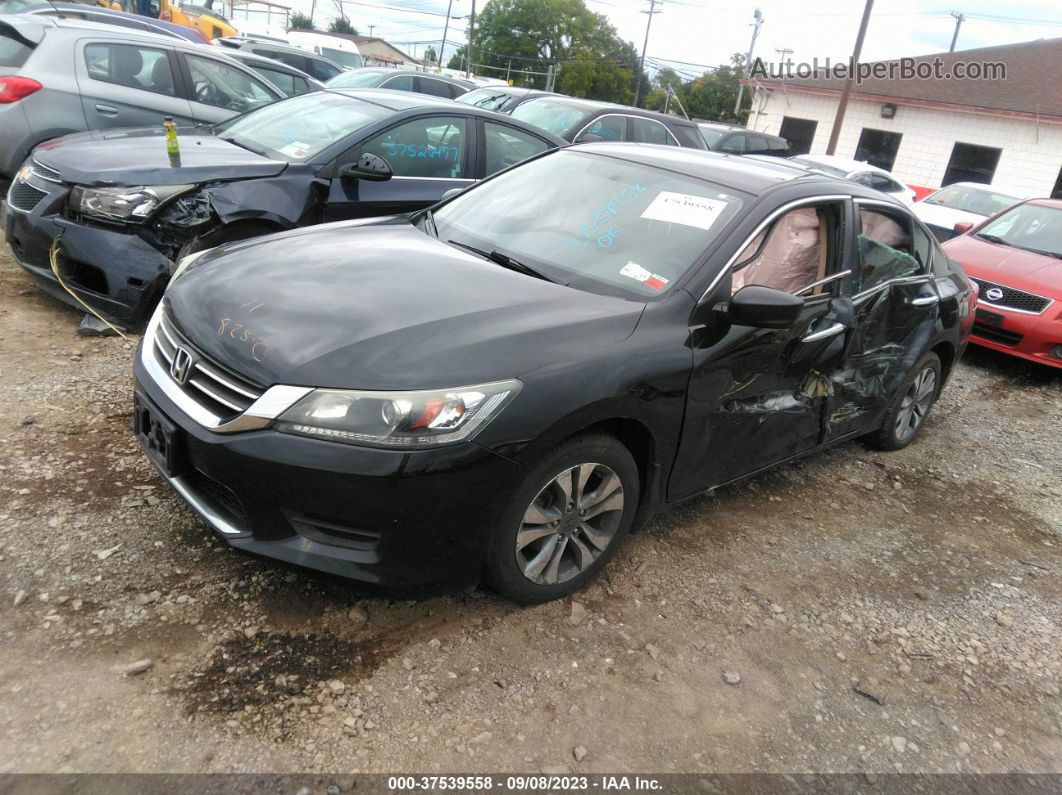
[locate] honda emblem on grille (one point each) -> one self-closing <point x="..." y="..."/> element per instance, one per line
<point x="181" y="366"/>
<point x="993" y="294"/>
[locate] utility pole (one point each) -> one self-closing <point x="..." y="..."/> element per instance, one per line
<point x="835" y="133"/>
<point x="446" y="29"/>
<point x="371" y="29"/>
<point x="758" y="17"/>
<point x="313" y="7"/>
<point x="959" y="19"/>
<point x="641" y="62"/>
<point x="471" y="38"/>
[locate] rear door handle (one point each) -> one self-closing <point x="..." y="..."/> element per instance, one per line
<point x="822" y="334"/>
<point x="925" y="300"/>
<point x="106" y="110"/>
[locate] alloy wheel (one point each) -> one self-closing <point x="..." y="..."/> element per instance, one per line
<point x="915" y="404"/>
<point x="569" y="524"/>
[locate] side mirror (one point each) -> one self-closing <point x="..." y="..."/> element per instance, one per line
<point x="368" y="166"/>
<point x="962" y="227"/>
<point x="588" y="138"/>
<point x="451" y="193"/>
<point x="764" y="307"/>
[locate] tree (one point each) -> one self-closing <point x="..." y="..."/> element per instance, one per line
<point x="532" y="35"/>
<point x="342" y="25"/>
<point x="712" y="95"/>
<point x="300" y="22"/>
<point x="430" y="56"/>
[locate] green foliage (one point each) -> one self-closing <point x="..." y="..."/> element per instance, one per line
<point x="430" y="56"/>
<point x="342" y="25"/>
<point x="300" y="22"/>
<point x="710" y="96"/>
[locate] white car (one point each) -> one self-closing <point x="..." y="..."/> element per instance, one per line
<point x="963" y="202"/>
<point x="335" y="48"/>
<point x="858" y="171"/>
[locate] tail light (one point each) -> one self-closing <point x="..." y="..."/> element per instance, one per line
<point x="12" y="89"/>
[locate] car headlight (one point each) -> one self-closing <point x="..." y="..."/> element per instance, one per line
<point x="407" y="420"/>
<point x="123" y="204"/>
<point x="184" y="262"/>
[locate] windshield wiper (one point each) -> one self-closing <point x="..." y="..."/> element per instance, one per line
<point x="231" y="139"/>
<point x="1054" y="254"/>
<point x="429" y="224"/>
<point x="992" y="238"/>
<point x="504" y="260"/>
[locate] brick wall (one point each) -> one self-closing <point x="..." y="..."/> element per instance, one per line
<point x="1030" y="163"/>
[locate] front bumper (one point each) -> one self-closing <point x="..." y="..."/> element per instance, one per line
<point x="1028" y="336"/>
<point x="379" y="516"/>
<point x="116" y="273"/>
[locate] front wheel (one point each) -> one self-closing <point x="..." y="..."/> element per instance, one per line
<point x="565" y="521"/>
<point x="909" y="408"/>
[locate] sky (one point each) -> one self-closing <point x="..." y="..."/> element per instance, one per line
<point x="692" y="34"/>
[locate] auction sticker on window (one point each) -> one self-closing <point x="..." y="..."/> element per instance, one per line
<point x="683" y="208"/>
<point x="653" y="281"/>
<point x="295" y="149"/>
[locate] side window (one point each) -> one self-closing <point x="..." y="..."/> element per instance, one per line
<point x="735" y="145"/>
<point x="757" y="145"/>
<point x="436" y="88"/>
<point x="883" y="183"/>
<point x="400" y="83"/>
<point x="130" y="65"/>
<point x="322" y="70"/>
<point x="790" y="255"/>
<point x="428" y="147"/>
<point x="647" y="131"/>
<point x="285" y="81"/>
<point x="223" y="86"/>
<point x="609" y="128"/>
<point x="456" y="90"/>
<point x="506" y="146"/>
<point x="885" y="248"/>
<point x="923" y="246"/>
<point x="300" y="84"/>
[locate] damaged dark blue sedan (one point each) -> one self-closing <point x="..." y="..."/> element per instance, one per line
<point x="510" y="382"/>
<point x="125" y="210"/>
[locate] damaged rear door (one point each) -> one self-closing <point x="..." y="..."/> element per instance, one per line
<point x="758" y="396"/>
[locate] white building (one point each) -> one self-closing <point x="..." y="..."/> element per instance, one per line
<point x="935" y="131"/>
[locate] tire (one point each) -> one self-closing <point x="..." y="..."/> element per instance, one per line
<point x="560" y="547"/>
<point x="910" y="406"/>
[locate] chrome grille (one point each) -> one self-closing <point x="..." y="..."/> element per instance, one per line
<point x="1012" y="299"/>
<point x="210" y="385"/>
<point x="24" y="196"/>
<point x="44" y="172"/>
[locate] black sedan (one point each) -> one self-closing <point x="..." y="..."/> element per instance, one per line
<point x="435" y="85"/>
<point x="503" y="99"/>
<point x="584" y="120"/>
<point x="125" y="211"/>
<point x="511" y="382"/>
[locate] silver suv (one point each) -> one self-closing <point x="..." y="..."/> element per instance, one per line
<point x="59" y="76"/>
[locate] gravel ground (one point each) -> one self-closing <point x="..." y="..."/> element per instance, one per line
<point x="857" y="611"/>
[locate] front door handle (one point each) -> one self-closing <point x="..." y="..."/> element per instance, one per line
<point x="106" y="110"/>
<point x="925" y="300"/>
<point x="822" y="334"/>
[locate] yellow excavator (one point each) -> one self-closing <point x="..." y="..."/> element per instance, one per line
<point x="202" y="18"/>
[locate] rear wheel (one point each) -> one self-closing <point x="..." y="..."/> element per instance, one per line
<point x="907" y="413"/>
<point x="565" y="521"/>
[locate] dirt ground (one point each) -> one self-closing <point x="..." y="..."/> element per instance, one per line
<point x="857" y="611"/>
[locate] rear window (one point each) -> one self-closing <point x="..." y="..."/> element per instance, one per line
<point x="12" y="52"/>
<point x="559" y="117"/>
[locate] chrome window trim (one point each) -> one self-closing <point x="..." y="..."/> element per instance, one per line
<point x="273" y="402"/>
<point x="763" y="225"/>
<point x="624" y="116"/>
<point x="439" y="179"/>
<point x="827" y="280"/>
<point x="921" y="277"/>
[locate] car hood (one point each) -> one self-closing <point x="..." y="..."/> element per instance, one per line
<point x="944" y="217"/>
<point x="383" y="307"/>
<point x="139" y="157"/>
<point x="1011" y="267"/>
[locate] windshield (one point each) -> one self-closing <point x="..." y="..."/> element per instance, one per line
<point x="832" y="170"/>
<point x="300" y="127"/>
<point x="356" y="78"/>
<point x="979" y="201"/>
<point x="348" y="60"/>
<point x="592" y="221"/>
<point x="710" y="135"/>
<point x="1031" y="227"/>
<point x="556" y="116"/>
<point x="488" y="98"/>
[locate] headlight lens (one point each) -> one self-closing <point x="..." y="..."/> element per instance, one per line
<point x="408" y="420"/>
<point x="122" y="204"/>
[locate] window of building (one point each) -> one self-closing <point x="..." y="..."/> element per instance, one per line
<point x="878" y="148"/>
<point x="799" y="133"/>
<point x="972" y="163"/>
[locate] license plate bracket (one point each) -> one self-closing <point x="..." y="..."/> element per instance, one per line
<point x="159" y="437"/>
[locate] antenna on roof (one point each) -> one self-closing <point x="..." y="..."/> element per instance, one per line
<point x="55" y="8"/>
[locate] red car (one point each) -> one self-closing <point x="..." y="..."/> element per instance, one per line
<point x="1016" y="258"/>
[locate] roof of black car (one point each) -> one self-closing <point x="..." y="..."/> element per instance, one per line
<point x="736" y="171"/>
<point x="394" y="100"/>
<point x="593" y="105"/>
